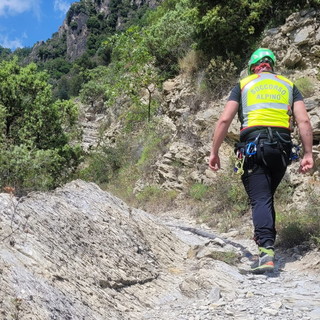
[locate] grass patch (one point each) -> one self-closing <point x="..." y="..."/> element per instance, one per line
<point x="191" y="62"/>
<point x="198" y="191"/>
<point x="123" y="183"/>
<point x="297" y="228"/>
<point x="224" y="203"/>
<point x="231" y="258"/>
<point x="154" y="198"/>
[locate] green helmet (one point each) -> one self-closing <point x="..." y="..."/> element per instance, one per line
<point x="258" y="55"/>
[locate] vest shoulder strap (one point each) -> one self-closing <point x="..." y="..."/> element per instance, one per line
<point x="247" y="79"/>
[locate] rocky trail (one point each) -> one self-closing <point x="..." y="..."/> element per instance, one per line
<point x="206" y="289"/>
<point x="210" y="289"/>
<point x="79" y="253"/>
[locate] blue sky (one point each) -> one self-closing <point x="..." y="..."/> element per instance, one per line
<point x="24" y="22"/>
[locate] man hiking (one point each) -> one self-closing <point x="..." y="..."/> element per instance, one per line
<point x="265" y="103"/>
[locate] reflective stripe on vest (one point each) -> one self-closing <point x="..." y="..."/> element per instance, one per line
<point x="266" y="99"/>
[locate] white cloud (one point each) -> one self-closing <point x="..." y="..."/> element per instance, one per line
<point x="11" y="44"/>
<point x="14" y="7"/>
<point x="61" y="5"/>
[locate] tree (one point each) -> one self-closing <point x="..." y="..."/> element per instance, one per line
<point x="231" y="28"/>
<point x="34" y="131"/>
<point x="94" y="90"/>
<point x="4" y="53"/>
<point x="170" y="33"/>
<point x="132" y="70"/>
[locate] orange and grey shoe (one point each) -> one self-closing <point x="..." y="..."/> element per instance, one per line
<point x="265" y="262"/>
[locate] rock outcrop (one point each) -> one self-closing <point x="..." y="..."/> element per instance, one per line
<point x="74" y="254"/>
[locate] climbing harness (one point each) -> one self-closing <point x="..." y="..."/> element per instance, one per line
<point x="246" y="150"/>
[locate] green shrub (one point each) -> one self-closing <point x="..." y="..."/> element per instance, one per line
<point x="101" y="165"/>
<point x="230" y="194"/>
<point x="27" y="170"/>
<point x="74" y="25"/>
<point x="198" y="191"/>
<point x="231" y="28"/>
<point x="170" y="34"/>
<point x="152" y="142"/>
<point x="294" y="229"/>
<point x="225" y="202"/>
<point x="35" y="131"/>
<point x="306" y="86"/>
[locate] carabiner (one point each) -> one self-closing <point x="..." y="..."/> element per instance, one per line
<point x="238" y="167"/>
<point x="251" y="149"/>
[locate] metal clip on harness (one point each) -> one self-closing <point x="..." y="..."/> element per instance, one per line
<point x="238" y="167"/>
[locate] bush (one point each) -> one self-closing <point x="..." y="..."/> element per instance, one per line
<point x="232" y="28"/>
<point x="34" y="131"/>
<point x="191" y="63"/>
<point x="170" y="35"/>
<point x="101" y="165"/>
<point x="220" y="76"/>
<point x="306" y="86"/>
<point x="123" y="183"/>
<point x="294" y="229"/>
<point x="27" y="170"/>
<point x="225" y="202"/>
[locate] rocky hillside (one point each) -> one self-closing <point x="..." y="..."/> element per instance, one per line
<point x="78" y="253"/>
<point x="189" y="117"/>
<point x="81" y="253"/>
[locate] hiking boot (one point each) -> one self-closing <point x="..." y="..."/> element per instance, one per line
<point x="265" y="262"/>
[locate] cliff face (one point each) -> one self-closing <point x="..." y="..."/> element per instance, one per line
<point x="104" y="16"/>
<point x="78" y="253"/>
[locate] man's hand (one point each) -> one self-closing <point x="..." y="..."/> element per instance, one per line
<point x="214" y="162"/>
<point x="306" y="163"/>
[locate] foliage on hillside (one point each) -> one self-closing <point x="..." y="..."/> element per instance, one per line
<point x="34" y="130"/>
<point x="149" y="46"/>
<point x="169" y="33"/>
<point x="231" y="28"/>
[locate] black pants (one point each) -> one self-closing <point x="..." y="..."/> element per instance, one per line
<point x="262" y="174"/>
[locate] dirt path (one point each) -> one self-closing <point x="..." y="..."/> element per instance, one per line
<point x="203" y="288"/>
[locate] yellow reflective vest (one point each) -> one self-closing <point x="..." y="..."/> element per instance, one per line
<point x="266" y="100"/>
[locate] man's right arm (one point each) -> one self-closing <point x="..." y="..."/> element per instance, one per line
<point x="305" y="130"/>
<point x="221" y="131"/>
